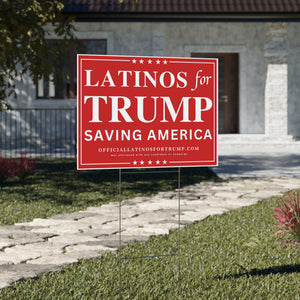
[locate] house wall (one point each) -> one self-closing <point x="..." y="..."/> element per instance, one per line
<point x="247" y="39"/>
<point x="181" y="39"/>
<point x="294" y="79"/>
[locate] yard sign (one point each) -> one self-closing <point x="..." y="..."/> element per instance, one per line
<point x="146" y="112"/>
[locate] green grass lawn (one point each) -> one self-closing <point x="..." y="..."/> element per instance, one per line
<point x="231" y="256"/>
<point x="57" y="187"/>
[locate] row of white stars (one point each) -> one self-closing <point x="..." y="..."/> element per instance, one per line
<point x="149" y="61"/>
<point x="150" y="162"/>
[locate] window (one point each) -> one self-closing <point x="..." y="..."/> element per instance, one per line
<point x="66" y="88"/>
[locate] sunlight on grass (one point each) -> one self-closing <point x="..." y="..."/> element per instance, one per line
<point x="230" y="256"/>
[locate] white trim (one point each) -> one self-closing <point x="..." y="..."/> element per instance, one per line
<point x="41" y="87"/>
<point x="51" y="86"/>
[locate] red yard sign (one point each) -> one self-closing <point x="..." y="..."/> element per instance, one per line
<point x="138" y="112"/>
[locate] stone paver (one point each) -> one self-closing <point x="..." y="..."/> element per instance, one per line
<point x="44" y="245"/>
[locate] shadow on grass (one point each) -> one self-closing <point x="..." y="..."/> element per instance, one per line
<point x="286" y="269"/>
<point x="65" y="172"/>
<point x="59" y="180"/>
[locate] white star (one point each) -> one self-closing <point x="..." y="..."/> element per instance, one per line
<point x="165" y="62"/>
<point x="135" y="162"/>
<point x="141" y="61"/>
<point x="150" y="61"/>
<point x="158" y="61"/>
<point x="134" y="61"/>
<point x="157" y="162"/>
<point x="150" y="162"/>
<point x="164" y="162"/>
<point x="141" y="162"/>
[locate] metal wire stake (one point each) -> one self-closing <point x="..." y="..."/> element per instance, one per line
<point x="142" y="257"/>
<point x="179" y="212"/>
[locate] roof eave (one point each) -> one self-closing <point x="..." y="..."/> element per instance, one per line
<point x="267" y="17"/>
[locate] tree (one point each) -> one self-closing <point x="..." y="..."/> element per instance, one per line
<point x="23" y="47"/>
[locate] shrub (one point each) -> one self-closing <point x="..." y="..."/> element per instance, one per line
<point x="7" y="169"/>
<point x="288" y="215"/>
<point x="23" y="167"/>
<point x="20" y="167"/>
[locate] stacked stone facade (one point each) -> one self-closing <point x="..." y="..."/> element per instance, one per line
<point x="276" y="90"/>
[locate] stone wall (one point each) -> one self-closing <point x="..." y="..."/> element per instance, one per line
<point x="276" y="96"/>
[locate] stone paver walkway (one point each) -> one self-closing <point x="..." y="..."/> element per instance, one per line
<point x="44" y="245"/>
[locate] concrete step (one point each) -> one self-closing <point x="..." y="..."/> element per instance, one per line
<point x="257" y="144"/>
<point x="254" y="138"/>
